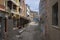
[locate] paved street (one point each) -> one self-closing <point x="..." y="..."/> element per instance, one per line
<point x="32" y="32"/>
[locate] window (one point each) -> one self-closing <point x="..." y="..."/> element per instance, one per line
<point x="23" y="1"/>
<point x="19" y="0"/>
<point x="14" y="7"/>
<point x="20" y="10"/>
<point x="55" y="14"/>
<point x="27" y="15"/>
<point x="9" y="4"/>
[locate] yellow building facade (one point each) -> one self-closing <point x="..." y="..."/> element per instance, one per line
<point x="13" y="16"/>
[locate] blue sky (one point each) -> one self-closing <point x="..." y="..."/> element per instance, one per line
<point x="34" y="4"/>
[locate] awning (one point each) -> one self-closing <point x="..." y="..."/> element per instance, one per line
<point x="24" y="21"/>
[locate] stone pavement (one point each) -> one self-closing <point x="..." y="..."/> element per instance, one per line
<point x="31" y="32"/>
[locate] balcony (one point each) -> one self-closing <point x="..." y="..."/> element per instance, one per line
<point x="13" y="11"/>
<point x="15" y="2"/>
<point x="20" y="10"/>
<point x="11" y="7"/>
<point x="8" y="6"/>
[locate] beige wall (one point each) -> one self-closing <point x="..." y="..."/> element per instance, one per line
<point x="53" y="31"/>
<point x="23" y="7"/>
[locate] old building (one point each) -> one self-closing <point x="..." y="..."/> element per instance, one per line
<point x="53" y="10"/>
<point x="28" y="12"/>
<point x="23" y="12"/>
<point x="35" y="16"/>
<point x="43" y="17"/>
<point x="12" y="20"/>
<point x="52" y="19"/>
<point x="22" y="8"/>
<point x="12" y="17"/>
<point x="2" y="19"/>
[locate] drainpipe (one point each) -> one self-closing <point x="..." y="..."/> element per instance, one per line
<point x="5" y="21"/>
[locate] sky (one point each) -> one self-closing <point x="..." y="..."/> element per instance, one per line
<point x="34" y="4"/>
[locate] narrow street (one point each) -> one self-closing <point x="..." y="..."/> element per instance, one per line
<point x="29" y="19"/>
<point x="31" y="32"/>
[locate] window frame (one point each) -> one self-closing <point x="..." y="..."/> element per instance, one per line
<point x="55" y="14"/>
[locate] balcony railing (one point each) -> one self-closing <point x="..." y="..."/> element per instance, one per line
<point x="15" y="2"/>
<point x="13" y="11"/>
<point x="8" y="9"/>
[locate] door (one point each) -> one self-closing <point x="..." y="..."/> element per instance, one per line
<point x="0" y="29"/>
